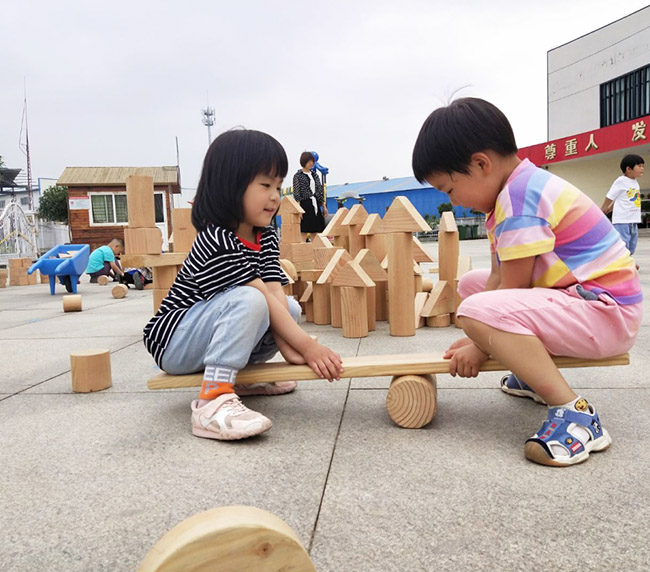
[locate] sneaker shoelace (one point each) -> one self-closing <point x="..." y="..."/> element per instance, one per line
<point x="235" y="407"/>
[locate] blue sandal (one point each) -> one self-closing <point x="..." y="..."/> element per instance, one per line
<point x="567" y="437"/>
<point x="512" y="385"/>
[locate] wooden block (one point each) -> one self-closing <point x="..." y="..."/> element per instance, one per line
<point x="401" y="295"/>
<point x="309" y="275"/>
<point x="336" y="315"/>
<point x="309" y="311"/>
<point x="371" y="298"/>
<point x="427" y="285"/>
<point x="288" y="206"/>
<point x="158" y="296"/>
<point x="372" y="225"/>
<point x="439" y="321"/>
<point x="119" y="291"/>
<point x="72" y="303"/>
<point x="335" y="226"/>
<point x="142" y="241"/>
<point x="321" y="241"/>
<point x="412" y="400"/>
<point x="301" y="254"/>
<point x="420" y="300"/>
<point x="322" y="307"/>
<point x="419" y="252"/>
<point x="381" y="301"/>
<point x="354" y="220"/>
<point x="440" y="300"/>
<point x="354" y="312"/>
<point x="90" y="370"/>
<point x="45" y="279"/>
<point x="401" y="217"/>
<point x="229" y="538"/>
<point x="417" y="283"/>
<point x="151" y="260"/>
<point x="102" y="280"/>
<point x="290" y="233"/>
<point x="366" y="366"/>
<point x="371" y="265"/>
<point x="334" y="266"/>
<point x="352" y="275"/>
<point x="27" y="262"/>
<point x="4" y="272"/>
<point x="289" y="269"/>
<point x="184" y="231"/>
<point x="19" y="281"/>
<point x="32" y="278"/>
<point x="322" y="256"/>
<point x="140" y="202"/>
<point x="18" y="272"/>
<point x="148" y="286"/>
<point x="448" y="247"/>
<point x="164" y="276"/>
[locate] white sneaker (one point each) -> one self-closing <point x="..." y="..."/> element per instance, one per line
<point x="274" y="388"/>
<point x="226" y="418"/>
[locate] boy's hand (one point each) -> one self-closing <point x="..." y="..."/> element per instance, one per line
<point x="456" y="345"/>
<point x="466" y="360"/>
<point x="323" y="361"/>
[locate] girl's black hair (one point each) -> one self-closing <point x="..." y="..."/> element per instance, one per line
<point x="452" y="134"/>
<point x="631" y="161"/>
<point x="233" y="160"/>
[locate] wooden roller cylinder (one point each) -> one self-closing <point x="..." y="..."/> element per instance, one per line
<point x="102" y="280"/>
<point x="90" y="370"/>
<point x="412" y="400"/>
<point x="72" y="303"/>
<point x="120" y="291"/>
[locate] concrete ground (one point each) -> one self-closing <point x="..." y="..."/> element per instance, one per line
<point x="90" y="482"/>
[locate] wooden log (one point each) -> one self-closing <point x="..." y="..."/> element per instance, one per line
<point x="72" y="303"/>
<point x="90" y="370"/>
<point x="412" y="400"/>
<point x="336" y="316"/>
<point x="102" y="280"/>
<point x="439" y="321"/>
<point x="371" y="298"/>
<point x="354" y="312"/>
<point x="427" y="285"/>
<point x="401" y="296"/>
<point x="120" y="291"/>
<point x="227" y="539"/>
<point x="322" y="304"/>
<point x="365" y="366"/>
<point x="140" y="202"/>
<point x="381" y="301"/>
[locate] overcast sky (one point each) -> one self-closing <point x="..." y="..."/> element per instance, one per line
<point x="113" y="84"/>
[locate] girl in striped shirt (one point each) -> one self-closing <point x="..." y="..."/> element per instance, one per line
<point x="561" y="281"/>
<point x="227" y="308"/>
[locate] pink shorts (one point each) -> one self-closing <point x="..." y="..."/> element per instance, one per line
<point x="566" y="323"/>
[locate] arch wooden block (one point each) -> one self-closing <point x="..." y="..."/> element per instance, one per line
<point x="412" y="400"/>
<point x="227" y="539"/>
<point x="102" y="280"/>
<point x="90" y="370"/>
<point x="120" y="291"/>
<point x="72" y="303"/>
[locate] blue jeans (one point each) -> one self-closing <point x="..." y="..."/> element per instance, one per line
<point x="629" y="232"/>
<point x="230" y="330"/>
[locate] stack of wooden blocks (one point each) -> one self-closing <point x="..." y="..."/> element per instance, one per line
<point x="3" y="277"/>
<point x="18" y="273"/>
<point x="142" y="236"/>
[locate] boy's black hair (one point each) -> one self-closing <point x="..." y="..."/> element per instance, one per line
<point x="305" y="157"/>
<point x="233" y="160"/>
<point x="631" y="161"/>
<point x="452" y="134"/>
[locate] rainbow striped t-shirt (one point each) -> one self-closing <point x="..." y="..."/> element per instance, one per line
<point x="539" y="214"/>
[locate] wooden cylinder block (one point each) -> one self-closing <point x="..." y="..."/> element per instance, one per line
<point x="412" y="400"/>
<point x="354" y="312"/>
<point x="440" y="321"/>
<point x="381" y="301"/>
<point x="102" y="280"/>
<point x="120" y="291"/>
<point x="335" y="307"/>
<point x="91" y="370"/>
<point x="72" y="303"/>
<point x="401" y="293"/>
<point x="371" y="298"/>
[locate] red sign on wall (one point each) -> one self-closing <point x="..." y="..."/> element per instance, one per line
<point x="612" y="138"/>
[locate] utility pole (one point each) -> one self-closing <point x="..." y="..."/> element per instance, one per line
<point x="208" y="121"/>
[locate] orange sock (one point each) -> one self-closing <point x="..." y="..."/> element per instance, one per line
<point x="217" y="380"/>
<point x="213" y="389"/>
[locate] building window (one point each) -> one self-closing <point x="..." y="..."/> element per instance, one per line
<point x="108" y="209"/>
<point x="24" y="201"/>
<point x="625" y="97"/>
<point x="2" y="205"/>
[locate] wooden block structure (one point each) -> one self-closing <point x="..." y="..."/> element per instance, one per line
<point x="405" y="402"/>
<point x="4" y="274"/>
<point x="227" y="539"/>
<point x="141" y="236"/>
<point x="72" y="303"/>
<point x="336" y="229"/>
<point x="354" y="221"/>
<point x="90" y="370"/>
<point x="18" y="273"/>
<point x="375" y="239"/>
<point x="307" y="302"/>
<point x="377" y="295"/>
<point x="400" y="222"/>
<point x="183" y="230"/>
<point x="353" y="282"/>
<point x="332" y="293"/>
<point x="291" y="214"/>
<point x="448" y="249"/>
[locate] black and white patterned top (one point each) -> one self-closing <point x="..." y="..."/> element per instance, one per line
<point x="302" y="190"/>
<point x="219" y="259"/>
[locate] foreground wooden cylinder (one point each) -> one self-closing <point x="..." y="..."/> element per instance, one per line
<point x="72" y="303"/>
<point x="90" y="370"/>
<point x="412" y="400"/>
<point x="120" y="291"/>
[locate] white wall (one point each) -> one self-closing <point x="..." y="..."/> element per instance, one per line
<point x="576" y="70"/>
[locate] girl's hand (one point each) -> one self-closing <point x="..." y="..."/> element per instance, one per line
<point x="323" y="360"/>
<point x="466" y="360"/>
<point x="456" y="345"/>
<point x="288" y="353"/>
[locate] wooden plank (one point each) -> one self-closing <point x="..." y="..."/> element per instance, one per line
<point x="365" y="366"/>
<point x="151" y="260"/>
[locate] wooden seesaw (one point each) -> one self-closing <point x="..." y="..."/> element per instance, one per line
<point x="412" y="397"/>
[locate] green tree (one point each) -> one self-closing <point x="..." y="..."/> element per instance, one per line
<point x="2" y="163"/>
<point x="444" y="207"/>
<point x="54" y="204"/>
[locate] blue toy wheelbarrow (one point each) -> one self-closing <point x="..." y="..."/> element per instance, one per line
<point x="65" y="261"/>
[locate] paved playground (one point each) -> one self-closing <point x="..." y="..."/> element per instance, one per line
<point x="90" y="482"/>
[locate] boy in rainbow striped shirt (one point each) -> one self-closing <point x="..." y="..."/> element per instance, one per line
<point x="561" y="280"/>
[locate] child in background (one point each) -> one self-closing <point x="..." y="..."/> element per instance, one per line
<point x="561" y="280"/>
<point x="624" y="198"/>
<point x="227" y="308"/>
<point x="102" y="261"/>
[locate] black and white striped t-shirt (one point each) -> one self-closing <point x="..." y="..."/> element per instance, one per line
<point x="219" y="259"/>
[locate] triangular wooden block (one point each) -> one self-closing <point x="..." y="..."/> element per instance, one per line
<point x="335" y="226"/>
<point x="440" y="301"/>
<point x="384" y="263"/>
<point x="419" y="254"/>
<point x="289" y="269"/>
<point x="356" y="215"/>
<point x="371" y="226"/>
<point x="321" y="241"/>
<point x="416" y="269"/>
<point x="340" y="258"/>
<point x="447" y="222"/>
<point x="289" y="205"/>
<point x="420" y="301"/>
<point x="353" y="275"/>
<point x="368" y="261"/>
<point x="307" y="294"/>
<point x="402" y="217"/>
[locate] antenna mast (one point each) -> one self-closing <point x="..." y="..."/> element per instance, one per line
<point x="25" y="149"/>
<point x="208" y="121"/>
